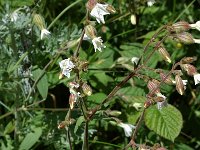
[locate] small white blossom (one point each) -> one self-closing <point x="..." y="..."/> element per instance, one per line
<point x="196" y="78"/>
<point x="197" y="41"/>
<point x="44" y="32"/>
<point x="196" y="25"/>
<point x="98" y="43"/>
<point x="15" y="15"/>
<point x="66" y="66"/>
<point x="150" y="2"/>
<point x="162" y="104"/>
<point x="99" y="11"/>
<point x="135" y="60"/>
<point x="128" y="128"/>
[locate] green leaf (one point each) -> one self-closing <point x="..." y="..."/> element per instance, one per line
<point x="166" y="122"/>
<point x="20" y="3"/>
<point x="103" y="78"/>
<point x="78" y="123"/>
<point x="30" y="139"/>
<point x="131" y="50"/>
<point x="42" y="85"/>
<point x="9" y="128"/>
<point x="97" y="98"/>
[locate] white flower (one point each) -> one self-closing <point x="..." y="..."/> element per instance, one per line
<point x="197" y="41"/>
<point x="98" y="43"/>
<point x="196" y="78"/>
<point x="163" y="103"/>
<point x="44" y="32"/>
<point x="160" y="95"/>
<point x="150" y="2"/>
<point x="127" y="128"/>
<point x="99" y="11"/>
<point x="196" y="25"/>
<point x="66" y="66"/>
<point x="135" y="60"/>
<point x="15" y="15"/>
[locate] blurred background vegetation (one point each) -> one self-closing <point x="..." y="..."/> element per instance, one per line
<point x="30" y="120"/>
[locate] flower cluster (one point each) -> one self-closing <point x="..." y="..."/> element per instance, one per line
<point x="98" y="11"/>
<point x="180" y="33"/>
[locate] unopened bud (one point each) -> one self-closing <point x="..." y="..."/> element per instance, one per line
<point x="65" y="123"/>
<point x="111" y="9"/>
<point x="179" y="85"/>
<point x="180" y="26"/>
<point x="133" y="19"/>
<point x="72" y="43"/>
<point x="72" y="100"/>
<point x="84" y="65"/>
<point x="90" y="4"/>
<point x="114" y="113"/>
<point x="153" y="86"/>
<point x="148" y="103"/>
<point x="90" y="31"/>
<point x="164" y="53"/>
<point x="86" y="89"/>
<point x="166" y="79"/>
<point x="39" y="21"/>
<point x="188" y="60"/>
<point x="60" y="76"/>
<point x="185" y="38"/>
<point x="178" y="72"/>
<point x="190" y="69"/>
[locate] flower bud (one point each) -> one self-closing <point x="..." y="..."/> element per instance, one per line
<point x="178" y="72"/>
<point x="185" y="38"/>
<point x="166" y="79"/>
<point x="84" y="65"/>
<point x="180" y="26"/>
<point x="65" y="123"/>
<point x="163" y="52"/>
<point x="179" y="85"/>
<point x="72" y="100"/>
<point x="153" y="86"/>
<point x="188" y="60"/>
<point x="60" y="76"/>
<point x="86" y="89"/>
<point x="111" y="9"/>
<point x="114" y="113"/>
<point x="90" y="4"/>
<point x="190" y="69"/>
<point x="90" y="31"/>
<point x="133" y="19"/>
<point x="39" y="21"/>
<point x="148" y="103"/>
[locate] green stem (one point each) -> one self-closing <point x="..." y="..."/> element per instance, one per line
<point x="179" y="16"/>
<point x="85" y="145"/>
<point x="66" y="9"/>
